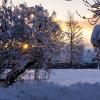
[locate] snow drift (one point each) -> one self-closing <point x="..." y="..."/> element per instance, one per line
<point x="55" y="88"/>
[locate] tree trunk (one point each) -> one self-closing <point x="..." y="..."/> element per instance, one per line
<point x="15" y="73"/>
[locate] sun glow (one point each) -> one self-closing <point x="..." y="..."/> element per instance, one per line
<point x="87" y="32"/>
<point x="25" y="46"/>
<point x="87" y="36"/>
<point x="63" y="27"/>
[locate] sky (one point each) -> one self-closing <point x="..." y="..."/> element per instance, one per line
<point x="61" y="7"/>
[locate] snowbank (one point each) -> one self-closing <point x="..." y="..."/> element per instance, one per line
<point x="56" y="88"/>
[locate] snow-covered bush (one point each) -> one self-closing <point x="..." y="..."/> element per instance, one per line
<point x="27" y="34"/>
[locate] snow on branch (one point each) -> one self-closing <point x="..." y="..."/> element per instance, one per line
<point x="95" y="9"/>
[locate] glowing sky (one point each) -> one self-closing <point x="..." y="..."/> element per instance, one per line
<point x="86" y="29"/>
<point x="61" y="7"/>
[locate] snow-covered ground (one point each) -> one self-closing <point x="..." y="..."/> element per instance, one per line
<point x="63" y="84"/>
<point x="73" y="76"/>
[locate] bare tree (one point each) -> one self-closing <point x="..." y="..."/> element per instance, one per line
<point x="74" y="40"/>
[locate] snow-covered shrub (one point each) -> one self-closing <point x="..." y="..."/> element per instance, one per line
<point x="28" y="34"/>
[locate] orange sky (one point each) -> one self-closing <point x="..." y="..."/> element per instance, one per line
<point x="86" y="29"/>
<point x="61" y="8"/>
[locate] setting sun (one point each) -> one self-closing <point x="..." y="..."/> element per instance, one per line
<point x="25" y="46"/>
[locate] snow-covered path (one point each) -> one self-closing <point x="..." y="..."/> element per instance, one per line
<point x="63" y="85"/>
